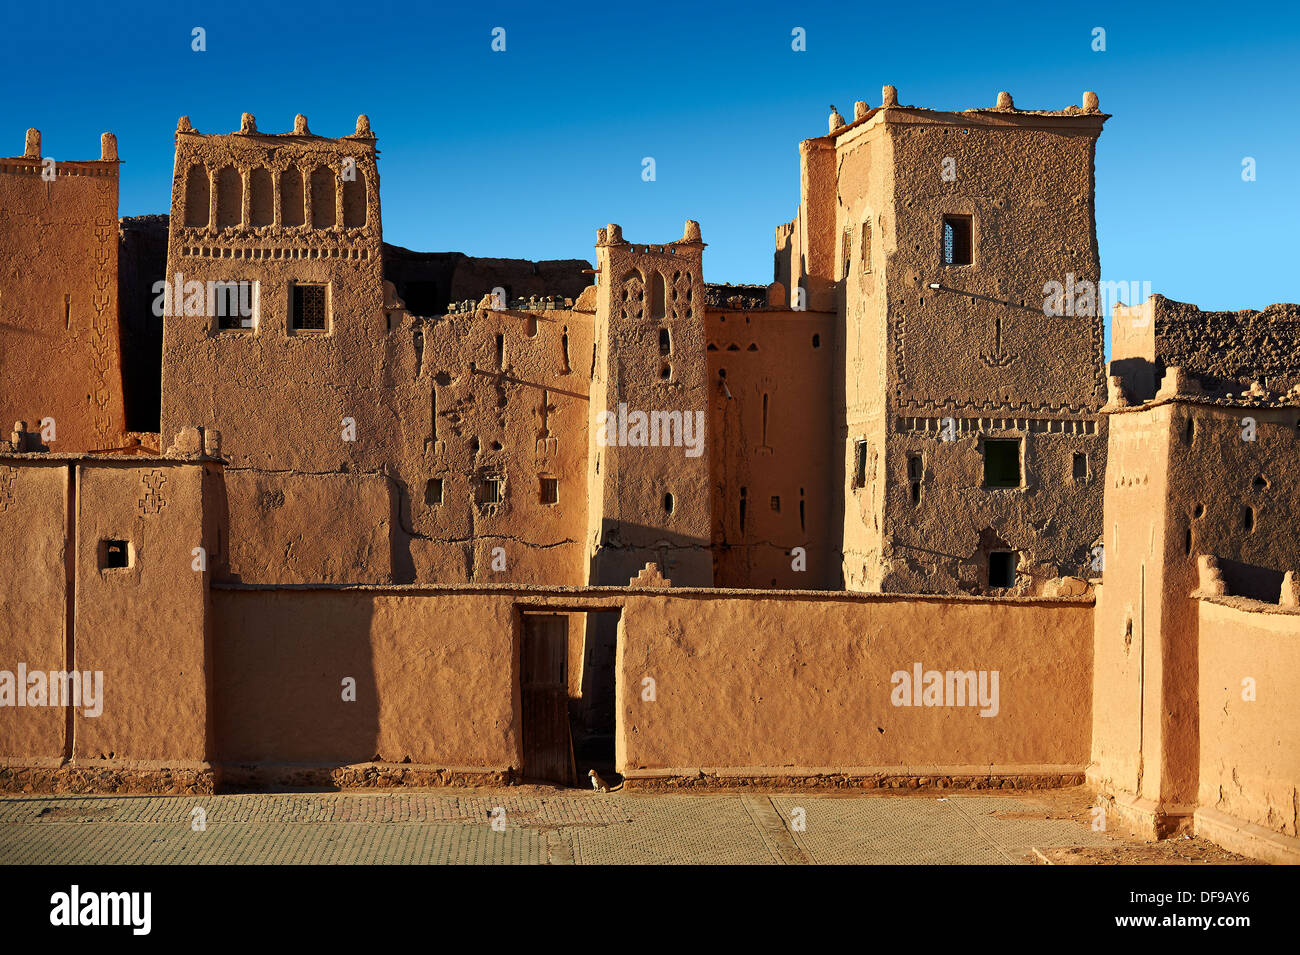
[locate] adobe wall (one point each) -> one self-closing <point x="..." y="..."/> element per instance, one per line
<point x="34" y="600"/>
<point x="1222" y="349"/>
<point x="434" y="679"/>
<point x="59" y="352"/>
<point x="773" y="455"/>
<point x="1181" y="483"/>
<point x="649" y="494"/>
<point x="142" y="626"/>
<point x="792" y="686"/>
<point x="276" y="210"/>
<point x="1249" y="754"/>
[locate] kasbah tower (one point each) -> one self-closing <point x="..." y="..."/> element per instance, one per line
<point x="967" y="414"/>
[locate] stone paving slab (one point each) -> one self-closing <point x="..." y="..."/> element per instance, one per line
<point x="550" y="826"/>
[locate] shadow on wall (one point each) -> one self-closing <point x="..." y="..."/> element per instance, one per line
<point x="626" y="548"/>
<point x="307" y="695"/>
<point x="1251" y="580"/>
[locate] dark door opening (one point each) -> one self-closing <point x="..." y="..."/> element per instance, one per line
<point x="595" y="704"/>
<point x="544" y="686"/>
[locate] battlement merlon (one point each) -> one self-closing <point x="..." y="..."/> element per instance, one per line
<point x="1087" y="117"/>
<point x="31" y="160"/>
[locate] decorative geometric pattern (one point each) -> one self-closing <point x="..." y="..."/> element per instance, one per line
<point x="153" y="501"/>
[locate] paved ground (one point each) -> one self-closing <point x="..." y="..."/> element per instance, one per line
<point x="542" y="825"/>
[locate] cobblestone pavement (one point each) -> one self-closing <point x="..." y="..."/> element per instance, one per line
<point x="540" y="826"/>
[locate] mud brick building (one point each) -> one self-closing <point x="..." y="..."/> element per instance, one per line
<point x="396" y="472"/>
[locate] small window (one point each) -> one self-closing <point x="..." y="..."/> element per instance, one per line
<point x="1002" y="568"/>
<point x="956" y="240"/>
<point x="1248" y="518"/>
<point x="866" y="247"/>
<point x="1080" y="466"/>
<point x="860" y="463"/>
<point x="915" y="467"/>
<point x="1001" y="462"/>
<point x="550" y="490"/>
<point x="776" y="503"/>
<point x="234" y="304"/>
<point x="114" y="553"/>
<point x="489" y="490"/>
<point x="848" y="251"/>
<point x="433" y="491"/>
<point x="817" y="340"/>
<point x="665" y="342"/>
<point x="668" y="503"/>
<point x="308" y="313"/>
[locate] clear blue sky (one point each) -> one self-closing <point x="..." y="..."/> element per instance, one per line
<point x="525" y="153"/>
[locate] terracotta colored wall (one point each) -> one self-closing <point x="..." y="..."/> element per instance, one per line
<point x="145" y="626"/>
<point x="629" y="521"/>
<point x="1250" y="753"/>
<point x="1223" y="349"/>
<point x="59" y="341"/>
<point x="434" y="678"/>
<point x="33" y="609"/>
<point x="1179" y="481"/>
<point x="768" y="441"/>
<point x="796" y="681"/>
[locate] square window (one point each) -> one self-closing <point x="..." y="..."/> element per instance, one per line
<point x="114" y="553"/>
<point x="956" y="240"/>
<point x="1002" y="462"/>
<point x="234" y="304"/>
<point x="490" y="489"/>
<point x="1002" y="568"/>
<point x="550" y="490"/>
<point x="308" y="308"/>
<point x="1080" y="466"/>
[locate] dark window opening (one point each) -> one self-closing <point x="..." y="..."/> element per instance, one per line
<point x="114" y="553"/>
<point x="803" y="526"/>
<point x="956" y="240"/>
<point x="308" y="308"/>
<point x="668" y="503"/>
<point x="1248" y="518"/>
<point x="1002" y="462"/>
<point x="550" y="490"/>
<point x="1002" y="568"/>
<point x="433" y="491"/>
<point x="422" y="297"/>
<point x="860" y="463"/>
<point x="1189" y="435"/>
<point x="744" y="504"/>
<point x="489" y="490"/>
<point x="915" y="493"/>
<point x="817" y="341"/>
<point x="501" y="350"/>
<point x="776" y="503"/>
<point x="848" y="251"/>
<point x="665" y="342"/>
<point x="915" y="466"/>
<point x="1080" y="466"/>
<point x="1187" y="543"/>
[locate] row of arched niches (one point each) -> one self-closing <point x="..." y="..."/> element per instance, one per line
<point x="326" y="211"/>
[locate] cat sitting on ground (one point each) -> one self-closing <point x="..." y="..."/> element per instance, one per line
<point x="599" y="784"/>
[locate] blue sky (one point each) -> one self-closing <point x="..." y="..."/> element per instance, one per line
<point x="526" y="153"/>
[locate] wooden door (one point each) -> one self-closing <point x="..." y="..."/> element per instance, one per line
<point x="548" y="747"/>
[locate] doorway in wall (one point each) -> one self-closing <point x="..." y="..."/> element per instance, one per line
<point x="595" y="704"/>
